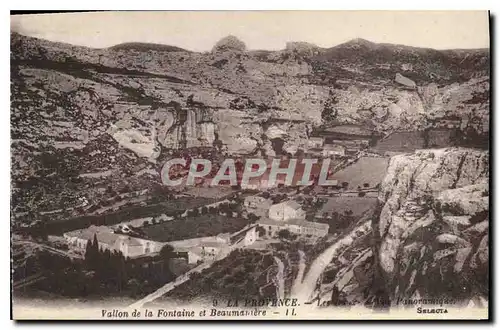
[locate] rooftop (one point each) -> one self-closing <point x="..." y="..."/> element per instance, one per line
<point x="290" y="203"/>
<point x="104" y="235"/>
<point x="333" y="147"/>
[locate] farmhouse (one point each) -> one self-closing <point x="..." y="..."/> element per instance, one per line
<point x="315" y="142"/>
<point x="333" y="150"/>
<point x="129" y="246"/>
<point x="206" y="251"/>
<point x="296" y="226"/>
<point x="202" y="248"/>
<point x="290" y="216"/>
<point x="286" y="210"/>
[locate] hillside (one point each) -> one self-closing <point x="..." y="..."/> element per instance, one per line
<point x="90" y="124"/>
<point x="144" y="47"/>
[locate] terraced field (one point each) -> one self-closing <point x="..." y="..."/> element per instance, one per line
<point x="401" y="142"/>
<point x="358" y="205"/>
<point x="367" y="170"/>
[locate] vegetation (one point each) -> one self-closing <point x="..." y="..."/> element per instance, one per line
<point x="242" y="273"/>
<point x="167" y="252"/>
<point x="338" y="221"/>
<point x="145" y="47"/>
<point x="129" y="213"/>
<point x="101" y="274"/>
<point x="285" y="234"/>
<point x="216" y="221"/>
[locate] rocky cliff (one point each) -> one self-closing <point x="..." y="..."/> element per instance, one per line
<point x="432" y="233"/>
<point x="235" y="89"/>
<point x="122" y="110"/>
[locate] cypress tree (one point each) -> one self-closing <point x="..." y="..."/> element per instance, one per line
<point x="88" y="252"/>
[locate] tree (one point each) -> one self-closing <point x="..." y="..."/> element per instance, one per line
<point x="345" y="184"/>
<point x="88" y="251"/>
<point x="167" y="252"/>
<point x="92" y="253"/>
<point x="260" y="231"/>
<point x="95" y="243"/>
<point x="145" y="223"/>
<point x="252" y="217"/>
<point x="193" y="213"/>
<point x="204" y="210"/>
<point x="373" y="140"/>
<point x="361" y="194"/>
<point x="109" y="190"/>
<point x="366" y="185"/>
<point x="284" y="234"/>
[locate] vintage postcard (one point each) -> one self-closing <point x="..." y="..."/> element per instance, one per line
<point x="290" y="165"/>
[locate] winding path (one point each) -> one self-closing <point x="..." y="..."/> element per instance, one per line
<point x="304" y="290"/>
<point x="280" y="281"/>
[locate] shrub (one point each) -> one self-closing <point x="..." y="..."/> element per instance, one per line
<point x="284" y="234"/>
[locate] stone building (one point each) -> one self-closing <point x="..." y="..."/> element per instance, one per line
<point x="131" y="247"/>
<point x="286" y="210"/>
<point x="295" y="226"/>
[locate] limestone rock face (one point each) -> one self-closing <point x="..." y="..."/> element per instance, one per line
<point x="302" y="48"/>
<point x="433" y="224"/>
<point x="405" y="81"/>
<point x="66" y="101"/>
<point x="186" y="128"/>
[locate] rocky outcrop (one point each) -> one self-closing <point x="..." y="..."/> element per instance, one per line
<point x="229" y="43"/>
<point x="405" y="81"/>
<point x="432" y="232"/>
<point x="132" y="105"/>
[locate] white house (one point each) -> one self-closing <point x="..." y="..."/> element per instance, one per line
<point x="250" y="237"/>
<point x="129" y="246"/>
<point x="296" y="226"/>
<point x="333" y="150"/>
<point x="201" y="248"/>
<point x="193" y="257"/>
<point x="286" y="210"/>
<point x="315" y="142"/>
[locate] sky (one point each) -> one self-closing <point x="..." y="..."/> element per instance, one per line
<point x="200" y="30"/>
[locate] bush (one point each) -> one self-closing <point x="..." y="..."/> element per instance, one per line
<point x="167" y="252"/>
<point x="260" y="231"/>
<point x="284" y="234"/>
